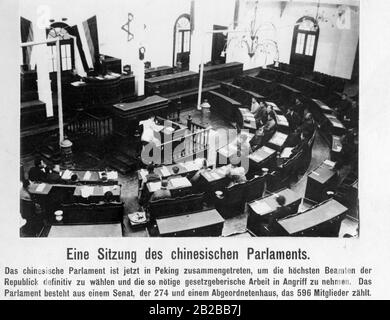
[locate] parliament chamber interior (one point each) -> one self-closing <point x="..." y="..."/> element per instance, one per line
<point x="189" y="118"/>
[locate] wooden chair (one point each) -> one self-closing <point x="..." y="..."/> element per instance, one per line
<point x="80" y="213"/>
<point x="34" y="222"/>
<point x="175" y="206"/>
<point x="255" y="188"/>
<point x="288" y="172"/>
<point x="273" y="181"/>
<point x="161" y="208"/>
<point x="232" y="201"/>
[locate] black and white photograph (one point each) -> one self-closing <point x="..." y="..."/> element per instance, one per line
<point x="189" y="118"/>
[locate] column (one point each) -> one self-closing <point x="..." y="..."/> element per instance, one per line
<point x="40" y="56"/>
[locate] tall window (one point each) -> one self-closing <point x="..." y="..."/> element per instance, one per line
<point x="58" y="30"/>
<point x="304" y="45"/>
<point x="182" y="41"/>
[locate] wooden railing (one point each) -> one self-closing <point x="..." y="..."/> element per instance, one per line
<point x="100" y="127"/>
<point x="194" y="127"/>
<point x="193" y="145"/>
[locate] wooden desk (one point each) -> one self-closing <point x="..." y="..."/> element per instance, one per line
<point x="158" y="71"/>
<point x="277" y="141"/>
<point x="310" y="88"/>
<point x="185" y="169"/>
<point x="214" y="180"/>
<point x="319" y="110"/>
<point x="248" y="119"/>
<point x="198" y="224"/>
<point x="223" y="71"/>
<point x="321" y="221"/>
<point x="288" y="89"/>
<point x="223" y="105"/>
<point x="44" y="189"/>
<point x="259" y="210"/>
<point x="282" y="123"/>
<point x="127" y="115"/>
<point x="335" y="125"/>
<point x="90" y="176"/>
<point x="239" y="94"/>
<point x="110" y="88"/>
<point x="98" y="192"/>
<point x="256" y="84"/>
<point x="86" y="231"/>
<point x="319" y="181"/>
<point x="171" y="82"/>
<point x="261" y="158"/>
<point x="228" y="152"/>
<point x="177" y="185"/>
<point x="40" y="188"/>
<point x="225" y="154"/>
<point x="276" y="75"/>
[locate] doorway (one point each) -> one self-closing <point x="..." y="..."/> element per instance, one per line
<point x="304" y="43"/>
<point x="218" y="53"/>
<point x="182" y="42"/>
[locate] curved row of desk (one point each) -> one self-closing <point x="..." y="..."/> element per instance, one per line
<point x="324" y="219"/>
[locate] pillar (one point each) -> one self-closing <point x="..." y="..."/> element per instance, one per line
<point x="40" y="57"/>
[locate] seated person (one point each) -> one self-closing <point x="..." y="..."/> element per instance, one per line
<point x="74" y="179"/>
<point x="37" y="172"/>
<point x="344" y="106"/>
<point x="349" y="149"/>
<point x="53" y="174"/>
<point x="236" y="173"/>
<point x="293" y="118"/>
<point x="303" y="144"/>
<point x="254" y="105"/>
<point x="352" y="115"/>
<point x="205" y="105"/>
<point x="261" y="114"/>
<point x="151" y="176"/>
<point x="175" y="170"/>
<point x="108" y="198"/>
<point x="236" y="179"/>
<point x="104" y="177"/>
<point x="308" y="125"/>
<point x="270" y="126"/>
<point x="163" y="193"/>
<point x="24" y="192"/>
<point x="257" y="140"/>
<point x="281" y="212"/>
<point x="196" y="176"/>
<point x="293" y="139"/>
<point x="299" y="107"/>
<point x="148" y="126"/>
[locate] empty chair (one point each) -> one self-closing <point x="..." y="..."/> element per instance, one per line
<point x="34" y="222"/>
<point x="175" y="206"/>
<point x="255" y="188"/>
<point x="232" y="201"/>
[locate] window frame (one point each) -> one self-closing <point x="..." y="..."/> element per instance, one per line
<point x="179" y="35"/>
